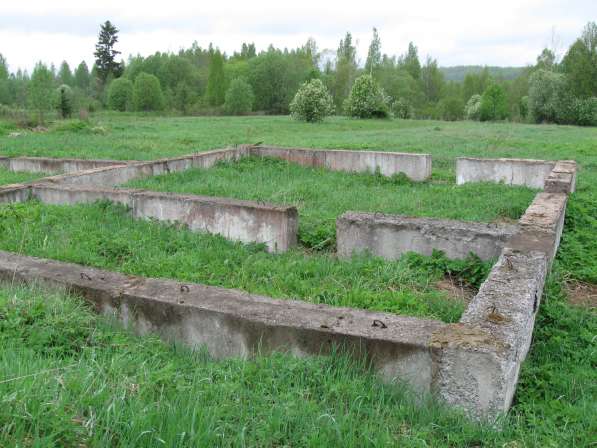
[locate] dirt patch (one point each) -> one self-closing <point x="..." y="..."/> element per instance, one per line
<point x="582" y="294"/>
<point x="456" y="289"/>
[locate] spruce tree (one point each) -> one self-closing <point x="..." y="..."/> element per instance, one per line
<point x="105" y="54"/>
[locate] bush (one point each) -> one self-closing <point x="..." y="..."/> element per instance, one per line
<point x="120" y="94"/>
<point x="452" y="108"/>
<point x="472" y="110"/>
<point x="548" y="97"/>
<point x="312" y="102"/>
<point x="239" y="98"/>
<point x="366" y="99"/>
<point x="147" y="93"/>
<point x="494" y="104"/>
<point x="584" y="111"/>
<point x="64" y="101"/>
<point x="403" y="109"/>
<point x="523" y="107"/>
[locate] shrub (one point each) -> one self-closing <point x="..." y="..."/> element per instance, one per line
<point x="451" y="108"/>
<point x="584" y="111"/>
<point x="64" y="101"/>
<point x="472" y="109"/>
<point x="548" y="97"/>
<point x="120" y="94"/>
<point x="494" y="104"/>
<point x="403" y="109"/>
<point x="147" y="93"/>
<point x="366" y="99"/>
<point x="312" y="102"/>
<point x="523" y="107"/>
<point x="239" y="97"/>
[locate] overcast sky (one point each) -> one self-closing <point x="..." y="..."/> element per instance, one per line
<point x="456" y="32"/>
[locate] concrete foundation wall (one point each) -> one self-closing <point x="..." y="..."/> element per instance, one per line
<point x="531" y="173"/>
<point x="57" y="166"/>
<point x="562" y="178"/>
<point x="5" y="163"/>
<point x="14" y="193"/>
<point x="231" y="323"/>
<point x="246" y="221"/>
<point x="390" y="236"/>
<point x="478" y="360"/>
<point x="415" y="166"/>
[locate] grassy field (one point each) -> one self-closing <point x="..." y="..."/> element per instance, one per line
<point x="69" y="378"/>
<point x="11" y="177"/>
<point x="112" y="389"/>
<point x="321" y="195"/>
<point x="106" y="236"/>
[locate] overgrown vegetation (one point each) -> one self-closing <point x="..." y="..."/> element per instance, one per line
<point x="12" y="177"/>
<point x="322" y="195"/>
<point x="106" y="236"/>
<point x="70" y="378"/>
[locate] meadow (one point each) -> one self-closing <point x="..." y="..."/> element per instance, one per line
<point x="321" y="195"/>
<point x="71" y="378"/>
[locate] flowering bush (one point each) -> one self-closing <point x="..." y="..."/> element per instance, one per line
<point x="312" y="102"/>
<point x="472" y="110"/>
<point x="367" y="100"/>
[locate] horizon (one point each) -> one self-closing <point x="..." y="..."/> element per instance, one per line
<point x="462" y="34"/>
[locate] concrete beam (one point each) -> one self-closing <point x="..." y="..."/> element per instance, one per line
<point x="231" y="323"/>
<point x="391" y="236"/>
<point x="527" y="172"/>
<point x="415" y="166"/>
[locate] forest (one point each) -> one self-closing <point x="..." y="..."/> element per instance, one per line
<point x="206" y="81"/>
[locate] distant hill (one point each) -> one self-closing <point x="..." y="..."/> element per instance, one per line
<point x="458" y="73"/>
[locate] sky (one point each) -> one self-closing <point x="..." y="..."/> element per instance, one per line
<point x="456" y="32"/>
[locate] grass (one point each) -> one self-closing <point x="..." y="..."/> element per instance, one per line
<point x="71" y="378"/>
<point x="106" y="236"/>
<point x="322" y="195"/>
<point x="11" y="177"/>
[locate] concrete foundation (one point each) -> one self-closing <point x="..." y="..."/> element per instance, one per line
<point x="246" y="221"/>
<point x="231" y="323"/>
<point x="57" y="166"/>
<point x="415" y="166"/>
<point x="527" y="172"/>
<point x="391" y="236"/>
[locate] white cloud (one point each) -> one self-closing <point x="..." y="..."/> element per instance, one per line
<point x="510" y="32"/>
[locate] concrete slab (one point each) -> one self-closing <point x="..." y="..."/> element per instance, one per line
<point x="527" y="172"/>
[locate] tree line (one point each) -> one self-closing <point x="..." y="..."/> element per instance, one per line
<point x="200" y="80"/>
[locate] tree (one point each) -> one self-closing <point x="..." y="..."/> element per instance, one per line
<point x="472" y="108"/>
<point x="475" y="83"/>
<point x="147" y="93"/>
<point x="40" y="90"/>
<point x="216" y="81"/>
<point x="546" y="60"/>
<point x="432" y="81"/>
<point x="312" y="102"/>
<point x="548" y="96"/>
<point x="366" y="99"/>
<point x="580" y="63"/>
<point x="494" y="104"/>
<point x="271" y="79"/>
<point x="65" y="76"/>
<point x="373" y="62"/>
<point x="64" y="101"/>
<point x="410" y="61"/>
<point x="239" y="97"/>
<point x="105" y="54"/>
<point x="82" y="77"/>
<point x="346" y="69"/>
<point x="120" y="94"/>
<point x="4" y="84"/>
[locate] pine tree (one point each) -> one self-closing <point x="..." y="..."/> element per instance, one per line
<point x="65" y="76"/>
<point x="105" y="54"/>
<point x="82" y="77"/>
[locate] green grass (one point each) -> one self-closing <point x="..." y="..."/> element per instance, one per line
<point x="11" y="177"/>
<point x="71" y="378"/>
<point x="322" y="195"/>
<point x="106" y="236"/>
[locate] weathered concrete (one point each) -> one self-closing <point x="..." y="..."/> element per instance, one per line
<point x="541" y="225"/>
<point x="231" y="323"/>
<point x="246" y="221"/>
<point x="562" y="179"/>
<point x="4" y="162"/>
<point x="390" y="236"/>
<point x="415" y="166"/>
<point x="14" y="193"/>
<point x="477" y="361"/>
<point x="58" y="166"/>
<point x="531" y="173"/>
